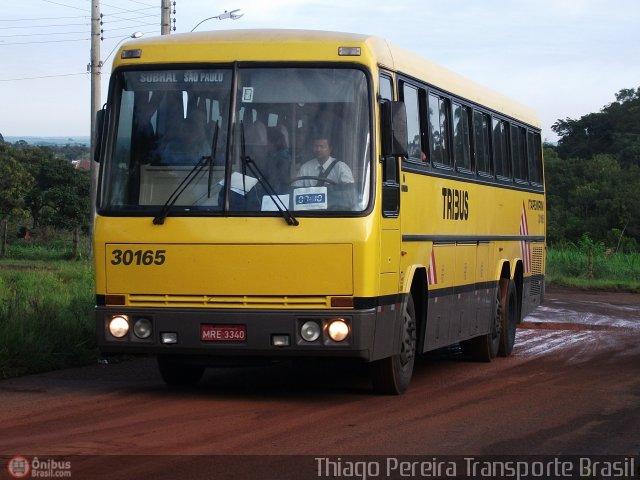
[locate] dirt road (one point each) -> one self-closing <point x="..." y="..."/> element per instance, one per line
<point x="572" y="386"/>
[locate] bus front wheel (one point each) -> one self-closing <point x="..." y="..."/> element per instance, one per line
<point x="392" y="375"/>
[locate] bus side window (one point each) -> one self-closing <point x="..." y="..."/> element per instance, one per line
<point x="462" y="137"/>
<point x="534" y="158"/>
<point x="386" y="88"/>
<point x="414" y="135"/>
<point x="439" y="130"/>
<point x="518" y="157"/>
<point x="481" y="141"/>
<point x="500" y="150"/>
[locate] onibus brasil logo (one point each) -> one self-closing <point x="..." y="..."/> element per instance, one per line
<point x="21" y="467"/>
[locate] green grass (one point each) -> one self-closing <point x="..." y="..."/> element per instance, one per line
<point x="46" y="315"/>
<point x="569" y="266"/>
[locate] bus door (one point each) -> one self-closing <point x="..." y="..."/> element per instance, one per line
<point x="390" y="223"/>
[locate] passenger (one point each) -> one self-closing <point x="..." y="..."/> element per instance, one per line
<point x="185" y="145"/>
<point x="277" y="170"/>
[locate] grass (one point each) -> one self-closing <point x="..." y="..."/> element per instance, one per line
<point x="46" y="315"/>
<point x="570" y="266"/>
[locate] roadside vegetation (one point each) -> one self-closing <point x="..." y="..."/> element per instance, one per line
<point x="592" y="266"/>
<point x="46" y="310"/>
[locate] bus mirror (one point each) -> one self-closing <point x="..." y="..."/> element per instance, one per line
<point x="97" y="138"/>
<point x="393" y="128"/>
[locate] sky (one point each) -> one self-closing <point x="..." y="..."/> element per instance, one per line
<point x="564" y="58"/>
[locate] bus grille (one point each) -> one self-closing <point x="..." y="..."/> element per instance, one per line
<point x="537" y="265"/>
<point x="537" y="257"/>
<point x="211" y="301"/>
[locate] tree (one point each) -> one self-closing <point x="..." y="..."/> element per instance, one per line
<point x="593" y="176"/>
<point x="59" y="195"/>
<point x="15" y="181"/>
<point x="615" y="130"/>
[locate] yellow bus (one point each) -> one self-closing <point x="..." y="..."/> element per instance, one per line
<point x="269" y="194"/>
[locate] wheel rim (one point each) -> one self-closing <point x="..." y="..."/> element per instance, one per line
<point x="497" y="319"/>
<point x="407" y="350"/>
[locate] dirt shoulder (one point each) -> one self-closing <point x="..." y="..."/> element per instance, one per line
<point x="615" y="297"/>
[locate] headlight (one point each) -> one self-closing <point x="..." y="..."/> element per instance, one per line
<point x="310" y="331"/>
<point x="338" y="329"/>
<point x="142" y="328"/>
<point x="119" y="326"/>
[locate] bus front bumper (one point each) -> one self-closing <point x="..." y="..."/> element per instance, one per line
<point x="241" y="333"/>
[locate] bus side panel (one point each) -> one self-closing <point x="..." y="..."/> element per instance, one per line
<point x="463" y="319"/>
<point x="484" y="292"/>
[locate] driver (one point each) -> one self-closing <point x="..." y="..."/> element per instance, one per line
<point x="323" y="166"/>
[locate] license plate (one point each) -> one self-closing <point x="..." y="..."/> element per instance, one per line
<point x="223" y="333"/>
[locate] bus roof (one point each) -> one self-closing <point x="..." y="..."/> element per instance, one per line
<point x="314" y="45"/>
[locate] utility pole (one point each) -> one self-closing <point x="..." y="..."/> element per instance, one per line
<point x="95" y="68"/>
<point x="165" y="17"/>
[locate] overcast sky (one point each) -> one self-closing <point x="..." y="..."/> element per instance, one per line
<point x="564" y="58"/>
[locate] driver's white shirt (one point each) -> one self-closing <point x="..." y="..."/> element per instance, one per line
<point x="340" y="173"/>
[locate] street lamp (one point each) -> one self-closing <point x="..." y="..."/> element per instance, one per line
<point x="133" y="35"/>
<point x="233" y="15"/>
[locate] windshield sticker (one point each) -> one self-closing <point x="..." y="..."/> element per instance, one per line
<point x="203" y="77"/>
<point x="241" y="184"/>
<point x="159" y="77"/>
<point x="269" y="203"/>
<point x="247" y="94"/>
<point x="310" y="198"/>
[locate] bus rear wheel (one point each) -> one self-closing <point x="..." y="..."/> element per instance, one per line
<point x="509" y="316"/>
<point x="392" y="375"/>
<point x="485" y="348"/>
<point x="177" y="374"/>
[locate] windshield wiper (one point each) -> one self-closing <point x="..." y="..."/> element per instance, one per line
<point x="195" y="171"/>
<point x="173" y="198"/>
<point x="214" y="145"/>
<point x="247" y="162"/>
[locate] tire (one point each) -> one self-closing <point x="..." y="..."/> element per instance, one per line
<point x="510" y="313"/>
<point x="392" y="375"/>
<point x="176" y="374"/>
<point x="485" y="348"/>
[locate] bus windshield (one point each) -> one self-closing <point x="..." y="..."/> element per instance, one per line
<point x="297" y="136"/>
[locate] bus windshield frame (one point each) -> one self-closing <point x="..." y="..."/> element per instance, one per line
<point x="241" y="139"/>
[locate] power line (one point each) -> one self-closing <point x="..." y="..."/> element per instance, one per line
<point x="39" y="19"/>
<point x="102" y="4"/>
<point x="3" y="44"/>
<point x="39" y="34"/>
<point x="42" y="76"/>
<point x="111" y="23"/>
<point x="129" y="27"/>
<point x="123" y="10"/>
<point x="64" y="5"/>
<point x="47" y="26"/>
<point x="107" y="16"/>
<point x="120" y="36"/>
